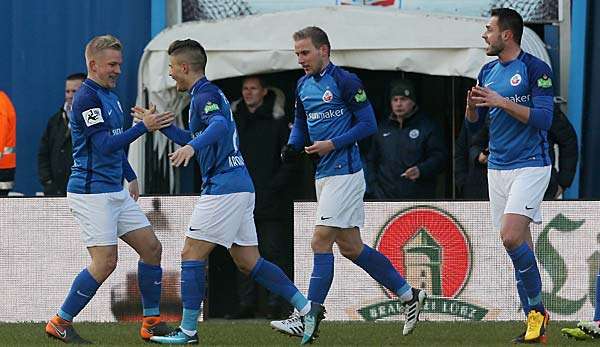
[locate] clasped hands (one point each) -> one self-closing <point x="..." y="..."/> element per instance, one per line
<point x="155" y="121"/>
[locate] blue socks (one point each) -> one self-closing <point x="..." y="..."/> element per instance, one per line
<point x="192" y="292"/>
<point x="149" y="281"/>
<point x="321" y="277"/>
<point x="83" y="289"/>
<point x="524" y="262"/>
<point x="272" y="277"/>
<point x="597" y="308"/>
<point x="522" y="293"/>
<point x="381" y="269"/>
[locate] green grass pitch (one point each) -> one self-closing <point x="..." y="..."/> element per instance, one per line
<point x="258" y="333"/>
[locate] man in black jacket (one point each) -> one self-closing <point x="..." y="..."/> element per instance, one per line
<point x="263" y="130"/>
<point x="563" y="135"/>
<point x="471" y="181"/>
<point x="55" y="152"/>
<point x="470" y="163"/>
<point x="408" y="151"/>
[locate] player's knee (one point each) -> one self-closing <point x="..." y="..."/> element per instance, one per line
<point x="244" y="265"/>
<point x="321" y="246"/>
<point x="510" y="239"/>
<point x="104" y="268"/>
<point x="350" y="251"/>
<point x="156" y="251"/>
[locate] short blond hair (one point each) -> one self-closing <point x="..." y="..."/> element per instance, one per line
<point x="100" y="43"/>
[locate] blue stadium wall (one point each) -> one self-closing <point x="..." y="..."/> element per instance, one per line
<point x="42" y="42"/>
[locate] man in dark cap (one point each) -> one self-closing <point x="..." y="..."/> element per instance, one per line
<point x="408" y="151"/>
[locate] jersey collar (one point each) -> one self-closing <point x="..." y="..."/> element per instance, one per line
<point x="519" y="57"/>
<point x="198" y="85"/>
<point x="95" y="86"/>
<point x="325" y="71"/>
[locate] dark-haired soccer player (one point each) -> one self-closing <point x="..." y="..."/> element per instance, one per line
<point x="515" y="92"/>
<point x="224" y="214"/>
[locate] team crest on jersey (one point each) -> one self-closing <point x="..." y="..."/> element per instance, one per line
<point x="414" y="133"/>
<point x="210" y="107"/>
<point x="92" y="116"/>
<point x="327" y="96"/>
<point x="360" y="96"/>
<point x="544" y="82"/>
<point x="515" y="80"/>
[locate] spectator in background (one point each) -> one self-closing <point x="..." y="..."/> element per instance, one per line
<point x="55" y="154"/>
<point x="563" y="135"/>
<point x="407" y="152"/>
<point x="470" y="161"/>
<point x="263" y="131"/>
<point x="8" y="142"/>
<point x="560" y="134"/>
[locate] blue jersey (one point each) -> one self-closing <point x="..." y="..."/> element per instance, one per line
<point x="333" y="105"/>
<point x="221" y="163"/>
<point x="525" y="81"/>
<point x="97" y="110"/>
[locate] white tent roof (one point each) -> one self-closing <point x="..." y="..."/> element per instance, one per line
<point x="363" y="37"/>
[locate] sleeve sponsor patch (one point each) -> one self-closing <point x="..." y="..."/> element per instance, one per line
<point x="92" y="116"/>
<point x="360" y="96"/>
<point x="210" y="107"/>
<point x="544" y="82"/>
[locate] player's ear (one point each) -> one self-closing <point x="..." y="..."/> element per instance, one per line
<point x="92" y="65"/>
<point x="323" y="51"/>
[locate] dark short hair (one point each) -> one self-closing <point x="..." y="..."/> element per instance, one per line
<point x="317" y="36"/>
<point x="260" y="80"/>
<point x="509" y="19"/>
<point x="79" y="76"/>
<point x="192" y="50"/>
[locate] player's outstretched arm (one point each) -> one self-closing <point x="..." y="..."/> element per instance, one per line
<point x="99" y="132"/>
<point x="175" y="134"/>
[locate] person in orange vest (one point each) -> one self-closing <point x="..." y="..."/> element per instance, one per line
<point x="8" y="143"/>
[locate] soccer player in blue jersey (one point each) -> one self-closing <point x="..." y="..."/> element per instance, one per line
<point x="515" y="92"/>
<point x="332" y="114"/>
<point x="103" y="209"/>
<point x="224" y="214"/>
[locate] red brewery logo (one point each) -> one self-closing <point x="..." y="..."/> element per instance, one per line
<point x="429" y="248"/>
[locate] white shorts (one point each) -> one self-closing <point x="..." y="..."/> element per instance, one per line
<point x="224" y="219"/>
<point x="340" y="200"/>
<point x="105" y="217"/>
<point x="518" y="191"/>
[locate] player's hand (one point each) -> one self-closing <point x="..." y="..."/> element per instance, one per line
<point x="289" y="154"/>
<point x="482" y="158"/>
<point x="559" y="191"/>
<point x="470" y="101"/>
<point x="138" y="112"/>
<point x="182" y="156"/>
<point x="412" y="173"/>
<point x="134" y="190"/>
<point x="321" y="148"/>
<point x="486" y="97"/>
<point x="158" y="121"/>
